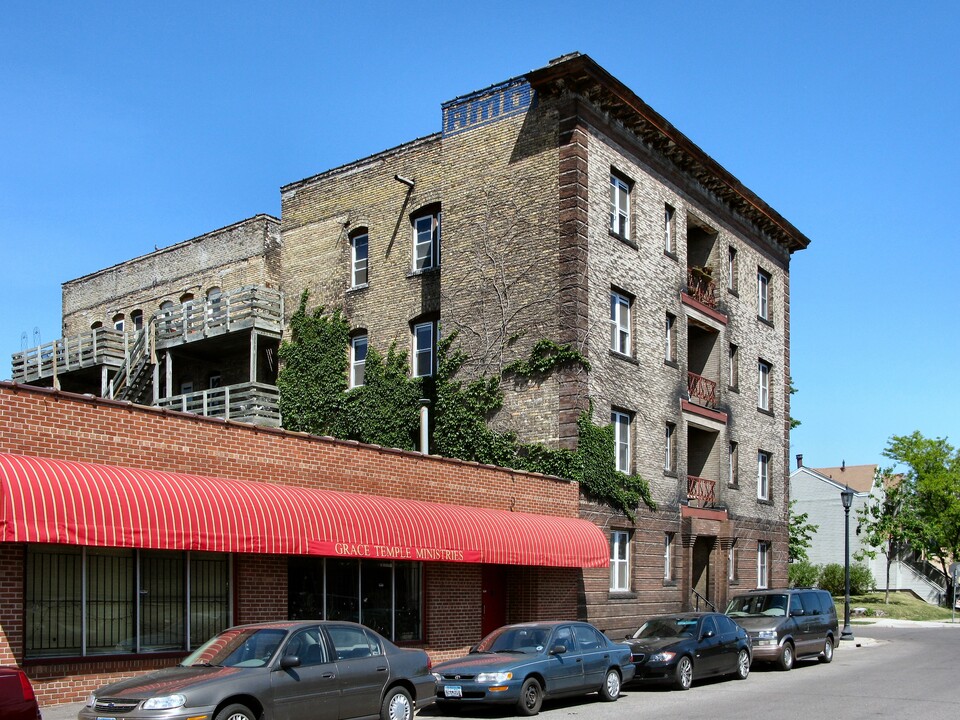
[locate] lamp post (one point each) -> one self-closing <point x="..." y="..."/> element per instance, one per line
<point x="846" y="497"/>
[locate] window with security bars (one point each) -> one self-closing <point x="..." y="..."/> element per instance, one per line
<point x="96" y="601"/>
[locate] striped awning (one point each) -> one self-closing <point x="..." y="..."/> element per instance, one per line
<point x="58" y="501"/>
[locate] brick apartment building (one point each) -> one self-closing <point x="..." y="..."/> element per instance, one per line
<point x="556" y="205"/>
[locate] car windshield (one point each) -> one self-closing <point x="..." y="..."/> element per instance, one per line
<point x="667" y="628"/>
<point x="774" y="605"/>
<point x="524" y="639"/>
<point x="240" y="647"/>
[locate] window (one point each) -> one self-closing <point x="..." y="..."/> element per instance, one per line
<point x="670" y="449"/>
<point x="621" y="429"/>
<point x="732" y="269"/>
<point x="763" y="294"/>
<point x="619" y="560"/>
<point x="762" y="564"/>
<point x="619" y="323"/>
<point x="137" y="317"/>
<point x="216" y="308"/>
<point x="358" y="359"/>
<point x="669" y="231"/>
<point x="670" y="339"/>
<point x="384" y="595"/>
<point x="186" y="387"/>
<point x="763" y="475"/>
<point x="763" y="386"/>
<point x="733" y="368"/>
<point x="733" y="479"/>
<point x="424" y="344"/>
<point x="96" y="326"/>
<point x="358" y="258"/>
<point x="732" y="574"/>
<point x="668" y="556"/>
<point x="97" y="601"/>
<point x="619" y="207"/>
<point x="426" y="241"/>
<point x="215" y="381"/>
<point x="118" y="322"/>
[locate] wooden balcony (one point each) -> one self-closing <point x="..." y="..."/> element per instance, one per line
<point x="255" y="403"/>
<point x="701" y="490"/>
<point x="91" y="349"/>
<point x="702" y="390"/>
<point x="251" y="307"/>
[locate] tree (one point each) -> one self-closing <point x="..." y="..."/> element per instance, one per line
<point x="801" y="535"/>
<point x="931" y="481"/>
<point x="887" y="520"/>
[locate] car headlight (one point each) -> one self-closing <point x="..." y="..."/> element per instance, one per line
<point x="494" y="677"/>
<point x="164" y="702"/>
<point x="92" y="700"/>
<point x="767" y="634"/>
<point x="438" y="677"/>
<point x="662" y="656"/>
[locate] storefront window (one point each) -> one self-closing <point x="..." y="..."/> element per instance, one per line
<point x="383" y="595"/>
<point x="87" y="601"/>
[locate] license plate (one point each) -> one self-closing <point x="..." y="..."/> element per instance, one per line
<point x="448" y="691"/>
<point x="101" y="717"/>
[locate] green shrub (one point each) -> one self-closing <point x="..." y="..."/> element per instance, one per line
<point x="832" y="579"/>
<point x="803" y="573"/>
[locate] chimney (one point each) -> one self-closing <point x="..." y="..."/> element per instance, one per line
<point x="799" y="460"/>
<point x="843" y="466"/>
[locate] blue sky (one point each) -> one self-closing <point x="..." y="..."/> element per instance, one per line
<point x="126" y="126"/>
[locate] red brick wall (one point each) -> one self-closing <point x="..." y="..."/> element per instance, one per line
<point x="64" y="426"/>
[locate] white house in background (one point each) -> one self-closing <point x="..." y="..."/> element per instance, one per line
<point x="816" y="491"/>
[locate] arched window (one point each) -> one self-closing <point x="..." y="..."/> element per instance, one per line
<point x="137" y="317"/>
<point x="359" y="257"/>
<point x="118" y="322"/>
<point x="426" y="237"/>
<point x="97" y="325"/>
<point x="358" y="358"/>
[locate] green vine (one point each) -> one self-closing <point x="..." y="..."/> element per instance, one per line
<point x="546" y="356"/>
<point x="314" y="398"/>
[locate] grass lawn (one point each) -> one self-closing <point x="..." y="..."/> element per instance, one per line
<point x="902" y="606"/>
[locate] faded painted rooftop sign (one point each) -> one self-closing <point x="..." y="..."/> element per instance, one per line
<point x="485" y="107"/>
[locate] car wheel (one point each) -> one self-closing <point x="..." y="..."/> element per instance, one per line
<point x="236" y="712"/>
<point x="683" y="675"/>
<point x="610" y="690"/>
<point x="397" y="705"/>
<point x="743" y="664"/>
<point x="785" y="661"/>
<point x="827" y="654"/>
<point x="531" y="697"/>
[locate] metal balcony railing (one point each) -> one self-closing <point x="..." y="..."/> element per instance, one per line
<point x="102" y="346"/>
<point x="255" y="403"/>
<point x="701" y="489"/>
<point x="702" y="390"/>
<point x="701" y="287"/>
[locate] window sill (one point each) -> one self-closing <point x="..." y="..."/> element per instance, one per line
<point x="623" y="239"/>
<point x="357" y="288"/>
<point x="765" y="501"/>
<point x="768" y="323"/>
<point x="425" y="271"/>
<point x="622" y="595"/>
<point x="672" y="363"/>
<point x="764" y="411"/>
<point x="734" y="389"/>
<point x="626" y="358"/>
<point x="733" y="486"/>
<point x="670" y="473"/>
<point x="672" y="255"/>
<point x="669" y="583"/>
<point x="733" y="291"/>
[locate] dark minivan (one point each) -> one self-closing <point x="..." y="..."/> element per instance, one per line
<point x="787" y="624"/>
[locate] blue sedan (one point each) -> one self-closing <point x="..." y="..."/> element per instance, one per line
<point x="523" y="664"/>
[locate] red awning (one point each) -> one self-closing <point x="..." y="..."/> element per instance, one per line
<point x="59" y="501"/>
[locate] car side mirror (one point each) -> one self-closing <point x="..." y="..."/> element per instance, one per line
<point x="796" y="613"/>
<point x="558" y="650"/>
<point x="707" y="634"/>
<point x="289" y="661"/>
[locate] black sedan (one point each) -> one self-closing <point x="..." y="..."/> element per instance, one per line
<point x="283" y="671"/>
<point x="523" y="664"/>
<point x="690" y="646"/>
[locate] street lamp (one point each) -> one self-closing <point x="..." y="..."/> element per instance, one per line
<point x="846" y="497"/>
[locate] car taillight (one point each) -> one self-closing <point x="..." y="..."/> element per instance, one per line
<point x="26" y="687"/>
<point x="429" y="664"/>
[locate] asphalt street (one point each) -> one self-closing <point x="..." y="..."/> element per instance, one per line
<point x="890" y="670"/>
